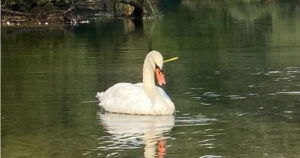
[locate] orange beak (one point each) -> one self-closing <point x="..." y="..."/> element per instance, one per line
<point x="160" y="76"/>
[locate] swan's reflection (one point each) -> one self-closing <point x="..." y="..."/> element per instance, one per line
<point x="130" y="131"/>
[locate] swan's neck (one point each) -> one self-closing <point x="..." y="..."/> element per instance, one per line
<point x="148" y="75"/>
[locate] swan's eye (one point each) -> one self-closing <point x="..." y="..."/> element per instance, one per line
<point x="157" y="68"/>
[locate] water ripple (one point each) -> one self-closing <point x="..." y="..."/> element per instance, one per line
<point x="210" y="156"/>
<point x="289" y="93"/>
<point x="235" y="97"/>
<point x="197" y="120"/>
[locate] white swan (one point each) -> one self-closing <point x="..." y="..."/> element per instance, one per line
<point x="141" y="98"/>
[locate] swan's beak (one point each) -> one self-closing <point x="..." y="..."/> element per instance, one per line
<point x="160" y="76"/>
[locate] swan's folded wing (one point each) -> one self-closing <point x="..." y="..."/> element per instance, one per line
<point x="163" y="93"/>
<point x="125" y="98"/>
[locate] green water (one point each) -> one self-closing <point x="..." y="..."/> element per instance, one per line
<point x="236" y="85"/>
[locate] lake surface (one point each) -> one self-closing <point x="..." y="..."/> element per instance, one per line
<point x="236" y="85"/>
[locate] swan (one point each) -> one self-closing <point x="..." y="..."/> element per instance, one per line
<point x="141" y="98"/>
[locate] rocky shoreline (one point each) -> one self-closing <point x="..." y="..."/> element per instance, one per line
<point x="72" y="14"/>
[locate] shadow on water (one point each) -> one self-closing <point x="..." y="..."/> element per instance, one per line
<point x="120" y="32"/>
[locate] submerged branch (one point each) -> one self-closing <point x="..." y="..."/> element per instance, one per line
<point x="70" y="9"/>
<point x="15" y="12"/>
<point x="151" y="7"/>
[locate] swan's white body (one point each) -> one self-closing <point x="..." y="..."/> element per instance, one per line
<point x="132" y="99"/>
<point x="141" y="98"/>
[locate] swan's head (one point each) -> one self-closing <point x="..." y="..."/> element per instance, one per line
<point x="155" y="59"/>
<point x="157" y="62"/>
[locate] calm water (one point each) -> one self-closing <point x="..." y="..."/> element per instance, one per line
<point x="236" y="86"/>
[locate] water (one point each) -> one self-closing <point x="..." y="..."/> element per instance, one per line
<point x="236" y="85"/>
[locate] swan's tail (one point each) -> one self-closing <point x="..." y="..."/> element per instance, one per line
<point x="99" y="95"/>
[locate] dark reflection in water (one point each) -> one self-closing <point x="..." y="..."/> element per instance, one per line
<point x="236" y="85"/>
